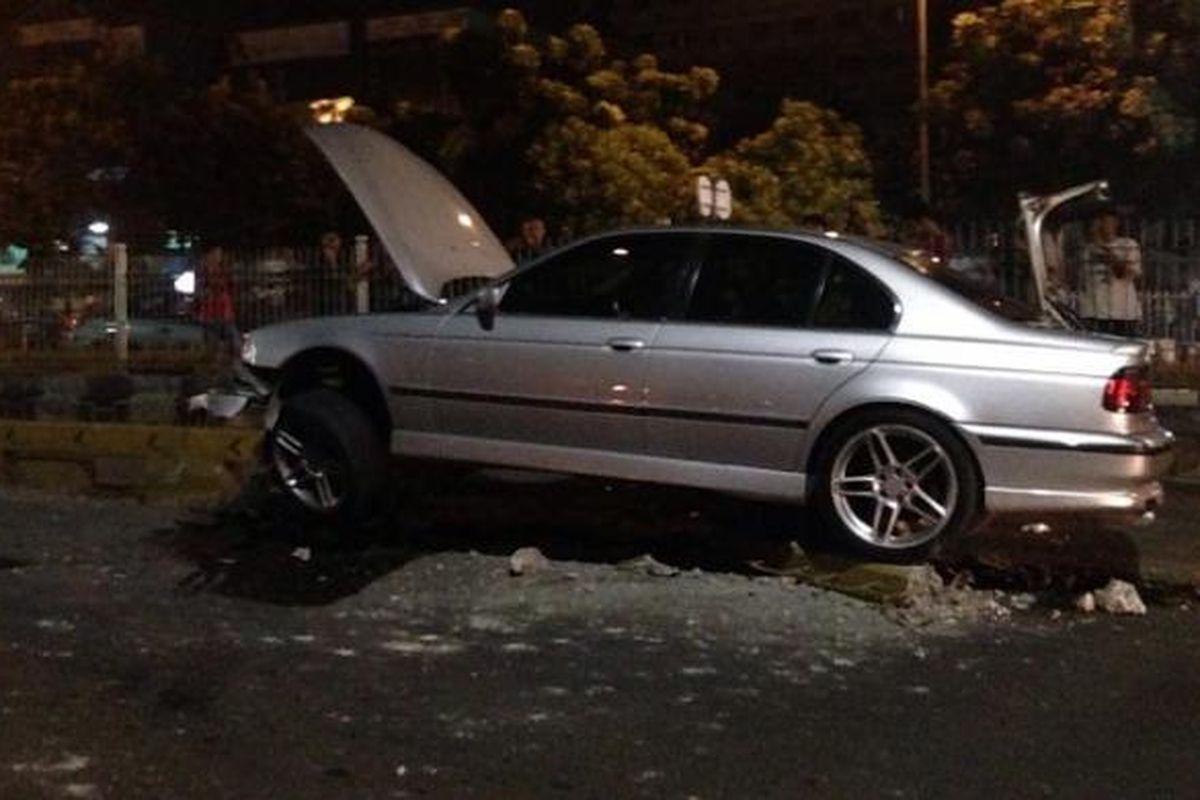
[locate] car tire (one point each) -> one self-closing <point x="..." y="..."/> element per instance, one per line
<point x="328" y="459"/>
<point x="895" y="484"/>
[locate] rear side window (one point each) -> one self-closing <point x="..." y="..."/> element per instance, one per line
<point x="630" y="277"/>
<point x="853" y="300"/>
<point x="758" y="281"/>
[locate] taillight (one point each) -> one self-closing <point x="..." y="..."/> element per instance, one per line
<point x="1128" y="391"/>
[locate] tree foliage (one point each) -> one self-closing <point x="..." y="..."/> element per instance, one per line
<point x="810" y="163"/>
<point x="546" y="121"/>
<point x="553" y="126"/>
<point x="232" y="164"/>
<point x="1042" y="93"/>
<point x="119" y="138"/>
<point x="568" y="132"/>
<point x="56" y="145"/>
<point x="601" y="176"/>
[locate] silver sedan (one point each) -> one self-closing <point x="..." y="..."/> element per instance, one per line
<point x="901" y="402"/>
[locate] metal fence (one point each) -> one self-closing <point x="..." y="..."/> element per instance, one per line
<point x="158" y="309"/>
<point x="1169" y="290"/>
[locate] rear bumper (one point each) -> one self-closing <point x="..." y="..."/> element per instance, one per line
<point x="1035" y="470"/>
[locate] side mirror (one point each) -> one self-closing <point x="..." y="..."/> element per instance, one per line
<point x="485" y="307"/>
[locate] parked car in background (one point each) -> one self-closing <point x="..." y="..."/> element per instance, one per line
<point x="144" y="334"/>
<point x="902" y="402"/>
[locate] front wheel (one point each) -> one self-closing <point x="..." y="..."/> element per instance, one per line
<point x="895" y="483"/>
<point x="327" y="457"/>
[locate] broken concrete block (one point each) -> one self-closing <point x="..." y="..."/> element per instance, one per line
<point x="649" y="565"/>
<point x="527" y="561"/>
<point x="1120" y="597"/>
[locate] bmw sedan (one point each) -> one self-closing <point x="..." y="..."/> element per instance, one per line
<point x="808" y="368"/>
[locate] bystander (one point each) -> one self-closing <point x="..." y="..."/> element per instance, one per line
<point x="1112" y="269"/>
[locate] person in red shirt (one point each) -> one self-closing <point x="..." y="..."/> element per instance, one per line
<point x="214" y="307"/>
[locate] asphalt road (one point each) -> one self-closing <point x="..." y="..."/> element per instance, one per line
<point x="143" y="655"/>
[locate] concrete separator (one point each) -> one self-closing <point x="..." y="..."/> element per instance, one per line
<point x="145" y="461"/>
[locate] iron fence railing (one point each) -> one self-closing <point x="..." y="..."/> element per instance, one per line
<point x="173" y="303"/>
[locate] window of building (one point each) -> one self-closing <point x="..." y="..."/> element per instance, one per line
<point x="292" y="44"/>
<point x="409" y="26"/>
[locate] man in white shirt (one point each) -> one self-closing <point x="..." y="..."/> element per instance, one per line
<point x="1112" y="268"/>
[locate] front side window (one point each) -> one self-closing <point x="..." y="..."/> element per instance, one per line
<point x="633" y="278"/>
<point x="758" y="281"/>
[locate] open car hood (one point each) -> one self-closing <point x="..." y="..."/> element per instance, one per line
<point x="432" y="233"/>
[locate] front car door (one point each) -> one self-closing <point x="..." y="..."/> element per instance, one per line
<point x="774" y="325"/>
<point x="564" y="364"/>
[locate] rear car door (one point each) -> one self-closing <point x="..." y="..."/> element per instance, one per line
<point x="564" y="364"/>
<point x="774" y="325"/>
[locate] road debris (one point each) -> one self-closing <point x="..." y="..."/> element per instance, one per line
<point x="648" y="565"/>
<point x="302" y="554"/>
<point x="1117" y="597"/>
<point x="527" y="561"/>
<point x="931" y="600"/>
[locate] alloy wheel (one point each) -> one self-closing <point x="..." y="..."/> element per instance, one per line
<point x="311" y="473"/>
<point x="894" y="486"/>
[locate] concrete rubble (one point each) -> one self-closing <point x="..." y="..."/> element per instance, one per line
<point x="1117" y="597"/>
<point x="527" y="561"/>
<point x="649" y="565"/>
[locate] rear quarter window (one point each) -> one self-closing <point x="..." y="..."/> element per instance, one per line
<point x="851" y="299"/>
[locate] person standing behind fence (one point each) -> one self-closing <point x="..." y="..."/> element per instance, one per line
<point x="214" y="306"/>
<point x="330" y="279"/>
<point x="530" y="240"/>
<point x="1112" y="267"/>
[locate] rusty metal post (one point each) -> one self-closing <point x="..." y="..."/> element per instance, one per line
<point x="362" y="286"/>
<point x="120" y="255"/>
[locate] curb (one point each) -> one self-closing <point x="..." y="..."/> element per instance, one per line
<point x="149" y="462"/>
<point x="1176" y="398"/>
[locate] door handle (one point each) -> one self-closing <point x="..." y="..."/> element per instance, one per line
<point x="833" y="356"/>
<point x="622" y="345"/>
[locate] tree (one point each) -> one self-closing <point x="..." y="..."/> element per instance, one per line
<point x="1044" y="93"/>
<point x="598" y="177"/>
<point x="809" y="163"/>
<point x="230" y="163"/>
<point x="57" y="146"/>
<point x="120" y="138"/>
<point x="568" y="132"/>
<point x="560" y="107"/>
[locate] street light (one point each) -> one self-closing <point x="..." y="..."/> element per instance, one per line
<point x="923" y="96"/>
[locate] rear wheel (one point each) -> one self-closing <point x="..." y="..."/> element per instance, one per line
<point x="327" y="457"/>
<point x="895" y="483"/>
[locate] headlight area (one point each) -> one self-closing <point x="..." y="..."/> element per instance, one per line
<point x="249" y="350"/>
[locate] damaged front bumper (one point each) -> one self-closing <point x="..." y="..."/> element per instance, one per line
<point x="246" y="390"/>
